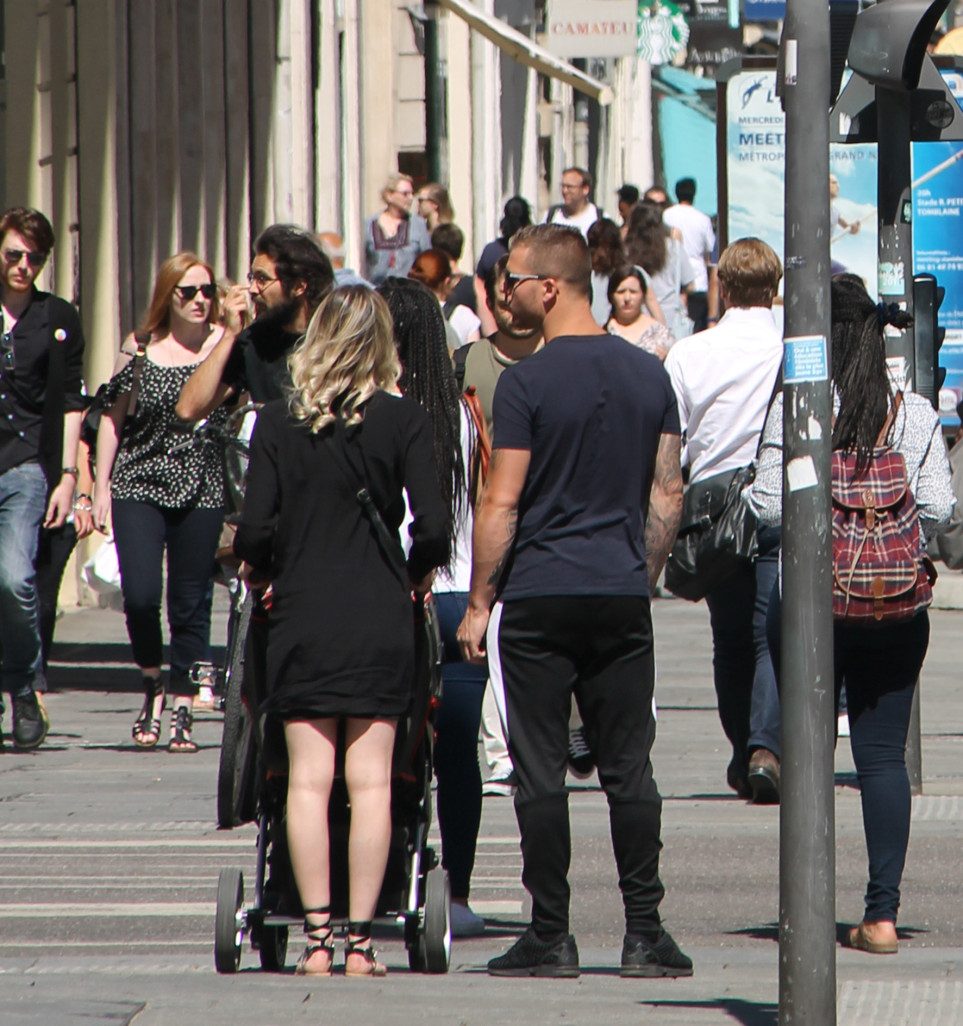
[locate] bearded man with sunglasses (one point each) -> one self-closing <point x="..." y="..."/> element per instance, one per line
<point x="290" y="275"/>
<point x="41" y="403"/>
<point x="580" y="508"/>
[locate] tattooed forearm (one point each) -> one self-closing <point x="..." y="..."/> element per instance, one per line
<point x="665" y="506"/>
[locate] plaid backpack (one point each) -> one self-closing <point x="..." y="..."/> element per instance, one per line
<point x="880" y="570"/>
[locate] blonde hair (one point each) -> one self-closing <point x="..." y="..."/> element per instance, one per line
<point x="347" y="354"/>
<point x="393" y="182"/>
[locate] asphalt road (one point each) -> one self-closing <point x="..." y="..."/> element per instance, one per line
<point x="109" y="858"/>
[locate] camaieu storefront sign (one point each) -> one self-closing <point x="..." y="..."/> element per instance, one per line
<point x="591" y="28"/>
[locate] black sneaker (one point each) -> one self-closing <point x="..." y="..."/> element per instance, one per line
<point x="29" y="724"/>
<point x="581" y="761"/>
<point x="529" y="956"/>
<point x="641" y="957"/>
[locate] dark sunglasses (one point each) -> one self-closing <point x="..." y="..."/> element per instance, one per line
<point x="14" y="256"/>
<point x="512" y="281"/>
<point x="188" y="292"/>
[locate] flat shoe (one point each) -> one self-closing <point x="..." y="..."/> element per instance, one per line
<point x="857" y="938"/>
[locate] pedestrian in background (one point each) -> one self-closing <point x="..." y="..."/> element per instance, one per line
<point x="724" y="379"/>
<point x="434" y="205"/>
<point x="664" y="259"/>
<point x="394" y="237"/>
<point x="428" y="378"/>
<point x="41" y="405"/>
<point x="163" y="493"/>
<point x="880" y="662"/>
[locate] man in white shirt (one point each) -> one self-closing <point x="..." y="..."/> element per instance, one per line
<point x="575" y="210"/>
<point x="724" y="380"/>
<point x="699" y="240"/>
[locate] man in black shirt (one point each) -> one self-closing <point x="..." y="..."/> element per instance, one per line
<point x="578" y="514"/>
<point x="289" y="277"/>
<point x="41" y="403"/>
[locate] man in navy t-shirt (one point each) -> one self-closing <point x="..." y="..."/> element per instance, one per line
<point x="578" y="514"/>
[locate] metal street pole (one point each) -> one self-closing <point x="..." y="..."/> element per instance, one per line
<point x="807" y="835"/>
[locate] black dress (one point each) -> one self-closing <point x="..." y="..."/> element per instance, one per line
<point x="340" y="636"/>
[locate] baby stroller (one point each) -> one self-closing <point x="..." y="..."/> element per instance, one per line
<point x="415" y="891"/>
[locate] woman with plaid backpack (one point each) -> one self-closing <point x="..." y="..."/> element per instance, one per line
<point x="891" y="492"/>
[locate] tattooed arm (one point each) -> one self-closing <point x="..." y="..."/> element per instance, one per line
<point x="665" y="506"/>
<point x="496" y="521"/>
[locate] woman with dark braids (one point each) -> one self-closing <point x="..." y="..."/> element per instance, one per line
<point x="428" y="378"/>
<point x="880" y="664"/>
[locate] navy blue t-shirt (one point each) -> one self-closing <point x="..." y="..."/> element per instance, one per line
<point x="591" y="410"/>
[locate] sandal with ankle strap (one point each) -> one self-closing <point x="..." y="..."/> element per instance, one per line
<point x="322" y="935"/>
<point x="147" y="727"/>
<point x="181" y="731"/>
<point x="362" y="946"/>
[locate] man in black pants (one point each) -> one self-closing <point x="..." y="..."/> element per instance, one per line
<point x="581" y="506"/>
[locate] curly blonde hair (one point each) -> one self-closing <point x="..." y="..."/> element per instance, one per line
<point x="347" y="354"/>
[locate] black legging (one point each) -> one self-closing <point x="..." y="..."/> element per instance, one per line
<point x="142" y="532"/>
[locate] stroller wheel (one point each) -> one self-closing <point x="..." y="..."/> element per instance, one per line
<point x="437" y="935"/>
<point x="228" y="932"/>
<point x="274" y="948"/>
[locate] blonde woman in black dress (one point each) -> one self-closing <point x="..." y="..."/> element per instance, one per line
<point x="340" y="639"/>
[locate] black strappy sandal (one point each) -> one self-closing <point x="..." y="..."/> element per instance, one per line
<point x="362" y="946"/>
<point x="181" y="731"/>
<point x="147" y="727"/>
<point x="322" y="936"/>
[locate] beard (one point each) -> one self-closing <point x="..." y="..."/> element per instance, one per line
<point x="277" y="318"/>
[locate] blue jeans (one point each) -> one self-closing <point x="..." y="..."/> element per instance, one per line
<point x="23" y="501"/>
<point x="456" y="750"/>
<point x="879" y="666"/>
<point x="744" y="676"/>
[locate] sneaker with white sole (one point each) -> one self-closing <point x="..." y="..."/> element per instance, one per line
<point x="499" y="787"/>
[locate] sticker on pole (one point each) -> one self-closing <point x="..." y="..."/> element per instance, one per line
<point x="804" y="359"/>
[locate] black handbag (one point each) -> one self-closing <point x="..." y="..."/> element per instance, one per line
<point x="717" y="531"/>
<point x="717" y="535"/>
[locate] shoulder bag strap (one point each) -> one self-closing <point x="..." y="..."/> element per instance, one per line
<point x="390" y="545"/>
<point x="141" y="338"/>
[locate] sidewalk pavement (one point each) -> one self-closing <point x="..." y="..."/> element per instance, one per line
<point x="720" y="867"/>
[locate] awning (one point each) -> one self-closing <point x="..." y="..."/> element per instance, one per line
<point x="525" y="51"/>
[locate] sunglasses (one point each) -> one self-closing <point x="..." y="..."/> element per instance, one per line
<point x="188" y="292"/>
<point x="14" y="256"/>
<point x="512" y="281"/>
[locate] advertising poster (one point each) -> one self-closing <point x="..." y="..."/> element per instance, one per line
<point x="756" y="170"/>
<point x="938" y="250"/>
<point x="755" y="180"/>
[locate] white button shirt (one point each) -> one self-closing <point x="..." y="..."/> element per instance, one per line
<point x="723" y="380"/>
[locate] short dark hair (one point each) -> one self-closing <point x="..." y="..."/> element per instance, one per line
<point x="586" y="177"/>
<point x="628" y="194"/>
<point x="685" y="189"/>
<point x="31" y="224"/>
<point x="449" y="238"/>
<point x="297" y="256"/>
<point x="559" y="252"/>
<point x="496" y="272"/>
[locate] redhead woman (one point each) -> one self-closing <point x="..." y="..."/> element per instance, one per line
<point x="627" y="294"/>
<point x="393" y="238"/>
<point x="162" y="495"/>
<point x="340" y="645"/>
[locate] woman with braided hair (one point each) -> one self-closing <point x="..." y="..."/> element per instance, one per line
<point x="880" y="662"/>
<point x="427" y="377"/>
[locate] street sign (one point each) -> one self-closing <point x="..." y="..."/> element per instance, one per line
<point x="591" y="28"/>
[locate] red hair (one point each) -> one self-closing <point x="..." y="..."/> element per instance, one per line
<point x="158" y="316"/>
